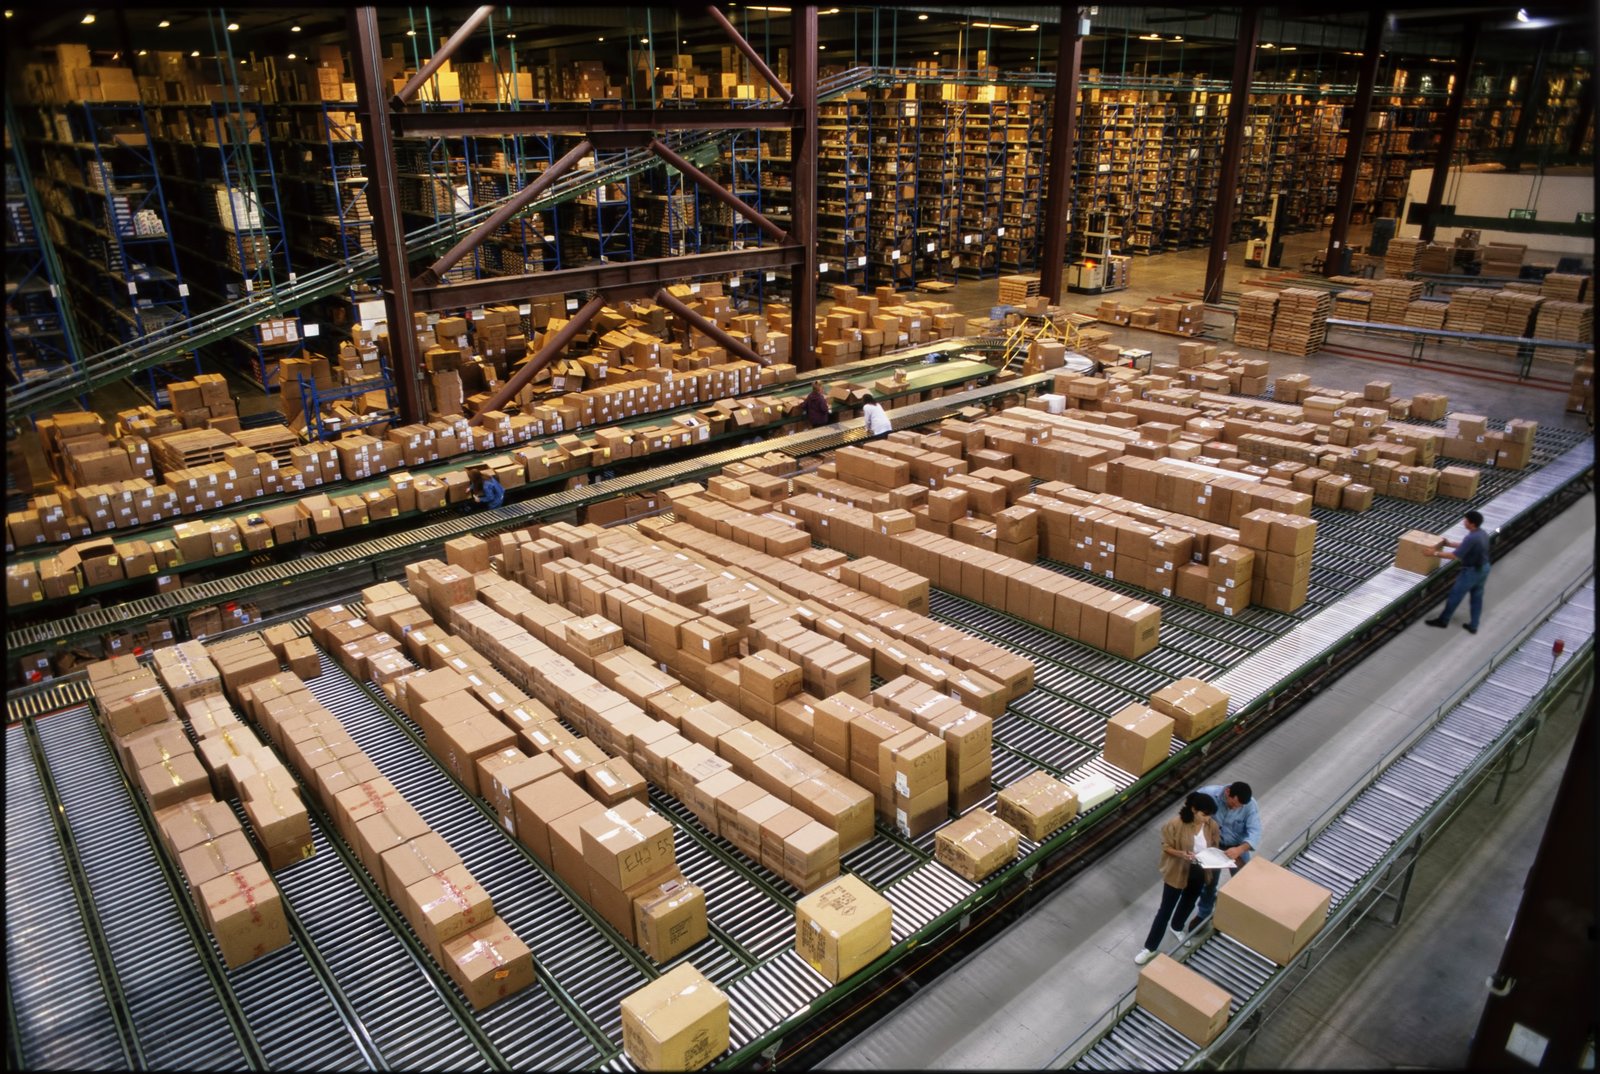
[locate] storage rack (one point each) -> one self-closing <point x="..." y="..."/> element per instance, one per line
<point x="106" y="208"/>
<point x="983" y="163"/>
<point x="938" y="188"/>
<point x="41" y="338"/>
<point x="220" y="153"/>
<point x="892" y="133"/>
<point x="502" y="166"/>
<point x="843" y="209"/>
<point x="356" y="971"/>
<point x="1022" y="201"/>
<point x="312" y="398"/>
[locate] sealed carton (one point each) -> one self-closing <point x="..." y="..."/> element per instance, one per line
<point x="1194" y="705"/>
<point x="1183" y="999"/>
<point x="841" y="927"/>
<point x="538" y="804"/>
<point x="669" y="917"/>
<point x="1036" y="805"/>
<point x="976" y="845"/>
<point x="1271" y="910"/>
<point x="628" y="844"/>
<point x="679" y="1021"/>
<point x="427" y="855"/>
<point x="1138" y="738"/>
<point x="1413" y="552"/>
<point x="216" y="857"/>
<point x="244" y="911"/>
<point x="488" y="963"/>
<point x="443" y="905"/>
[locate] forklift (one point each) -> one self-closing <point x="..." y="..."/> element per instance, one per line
<point x="1265" y="248"/>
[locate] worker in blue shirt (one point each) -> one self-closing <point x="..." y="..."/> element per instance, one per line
<point x="1239" y="818"/>
<point x="487" y="490"/>
<point x="1473" y="555"/>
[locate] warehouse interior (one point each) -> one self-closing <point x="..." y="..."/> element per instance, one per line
<point x="661" y="537"/>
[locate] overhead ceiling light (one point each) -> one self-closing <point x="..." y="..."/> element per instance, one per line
<point x="1269" y="44"/>
<point x="411" y="33"/>
<point x="292" y="56"/>
<point x="1522" y="14"/>
<point x="163" y="24"/>
<point x="143" y="52"/>
<point x="1177" y="37"/>
<point x="750" y="7"/>
<point x="644" y="40"/>
<point x="294" y="29"/>
<point x="1289" y="48"/>
<point x="602" y="39"/>
<point x="88" y="19"/>
<point x="1004" y="26"/>
<point x="195" y="54"/>
<point x="233" y="27"/>
<point x="1149" y="37"/>
<point x="116" y="56"/>
<point x="8" y="13"/>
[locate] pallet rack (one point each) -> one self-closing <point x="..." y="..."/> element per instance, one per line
<point x="501" y="166"/>
<point x="1022" y="203"/>
<point x="891" y="232"/>
<point x="938" y="186"/>
<point x="844" y="159"/>
<point x="983" y="161"/>
<point x="41" y="338"/>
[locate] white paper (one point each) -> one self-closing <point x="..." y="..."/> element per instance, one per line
<point x="1214" y="858"/>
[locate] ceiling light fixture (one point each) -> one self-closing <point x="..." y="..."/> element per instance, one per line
<point x="1177" y="37"/>
<point x="1289" y="48"/>
<point x="602" y="39"/>
<point x="1003" y="26"/>
<point x="511" y="37"/>
<point x="88" y="19"/>
<point x="1149" y="37"/>
<point x="233" y="27"/>
<point x="1269" y="44"/>
<point x="644" y="40"/>
<point x="1522" y="14"/>
<point x="195" y="54"/>
<point x="822" y="48"/>
<point x="411" y="33"/>
<point x="144" y="52"/>
<point x="292" y="56"/>
<point x="294" y="29"/>
<point x="163" y="24"/>
<point x="8" y="13"/>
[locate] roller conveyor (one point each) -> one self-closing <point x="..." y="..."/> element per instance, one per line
<point x="1357" y="844"/>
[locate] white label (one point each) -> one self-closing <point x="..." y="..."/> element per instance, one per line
<point x="869" y="195"/>
<point x="930" y="247"/>
<point x="894" y="255"/>
<point x="694" y="289"/>
<point x="133" y="287"/>
<point x="1526" y="1045"/>
<point x="524" y="309"/>
<point x="1000" y="231"/>
<point x="902" y="787"/>
<point x="477" y="315"/>
<point x="1103" y="168"/>
<point x="572" y="305"/>
<point x="822" y="266"/>
<point x="966" y="240"/>
<point x="313" y="330"/>
<point x="183" y="289"/>
<point x="771" y="276"/>
<point x="734" y="281"/>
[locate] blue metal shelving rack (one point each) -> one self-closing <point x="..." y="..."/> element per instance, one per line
<point x="41" y="337"/>
<point x="312" y="398"/>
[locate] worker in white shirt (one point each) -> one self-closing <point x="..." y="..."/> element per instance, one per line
<point x="877" y="421"/>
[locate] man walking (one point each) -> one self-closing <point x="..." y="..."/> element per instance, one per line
<point x="1239" y="818"/>
<point x="1473" y="555"/>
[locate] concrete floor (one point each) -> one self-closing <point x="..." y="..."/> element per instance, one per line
<point x="1019" y="1001"/>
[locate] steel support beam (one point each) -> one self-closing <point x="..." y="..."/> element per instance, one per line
<point x="1452" y="124"/>
<point x="717" y="190"/>
<point x="1058" y="173"/>
<point x="710" y="328"/>
<point x="803" y="162"/>
<point x="585" y="120"/>
<point x="388" y="229"/>
<point x="525" y="197"/>
<point x="750" y="53"/>
<point x="1532" y="98"/>
<point x="552" y="347"/>
<point x="446" y="50"/>
<point x="617" y="277"/>
<point x="1339" y="236"/>
<point x="1244" y="69"/>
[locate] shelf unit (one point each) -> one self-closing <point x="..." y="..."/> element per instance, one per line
<point x="892" y="188"/>
<point x="1022" y="200"/>
<point x="982" y="179"/>
<point x="41" y="338"/>
<point x="501" y="166"/>
<point x="106" y="208"/>
<point x="938" y="189"/>
<point x="220" y="154"/>
<point x="603" y="221"/>
<point x="844" y="159"/>
<point x="312" y="398"/>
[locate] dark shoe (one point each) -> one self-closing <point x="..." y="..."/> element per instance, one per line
<point x="1194" y="923"/>
<point x="1469" y="628"/>
<point x="1437" y="622"/>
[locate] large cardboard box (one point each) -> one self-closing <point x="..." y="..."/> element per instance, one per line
<point x="1036" y="805"/>
<point x="976" y="845"/>
<point x="679" y="1021"/>
<point x="1138" y="738"/>
<point x="669" y="918"/>
<point x="426" y="855"/>
<point x="628" y="844"/>
<point x="842" y="927"/>
<point x="443" y="905"/>
<point x="489" y="963"/>
<point x="1183" y="999"/>
<point x="535" y="805"/>
<point x="1271" y="910"/>
<point x="244" y="911"/>
<point x="1194" y="705"/>
<point x="1412" y="553"/>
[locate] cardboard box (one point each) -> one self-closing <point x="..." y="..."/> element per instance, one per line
<point x="679" y="1021"/>
<point x="1271" y="910"/>
<point x="489" y="963"/>
<point x="1412" y="553"/>
<point x="537" y="804"/>
<point x="409" y="863"/>
<point x="629" y="844"/>
<point x="669" y="918"/>
<point x="1036" y="805"/>
<point x="1138" y="738"/>
<point x="244" y="911"/>
<point x="443" y="905"/>
<point x="1183" y="999"/>
<point x="976" y="845"/>
<point x="842" y="927"/>
<point x="1194" y="705"/>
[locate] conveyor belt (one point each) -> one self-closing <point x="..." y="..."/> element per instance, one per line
<point x="1353" y="846"/>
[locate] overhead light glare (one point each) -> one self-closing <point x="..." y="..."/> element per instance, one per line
<point x="1522" y="14"/>
<point x="163" y="24"/>
<point x="294" y="29"/>
<point x="920" y="18"/>
<point x="511" y="37"/>
<point x="233" y="27"/>
<point x="195" y="54"/>
<point x="1269" y="44"/>
<point x="8" y="13"/>
<point x="644" y="40"/>
<point x="1003" y="26"/>
<point x="1149" y="37"/>
<point x="143" y="52"/>
<point x="88" y="19"/>
<point x="749" y="7"/>
<point x="936" y="52"/>
<point x="292" y="56"/>
<point x="602" y="39"/>
<point x="822" y="48"/>
<point x="1177" y="37"/>
<point x="411" y="33"/>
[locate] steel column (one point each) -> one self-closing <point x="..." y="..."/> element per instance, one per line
<point x="710" y="328"/>
<point x="552" y="347"/>
<point x="1452" y="124"/>
<point x="388" y="229"/>
<point x="1058" y="175"/>
<point x="435" y="272"/>
<point x="750" y="53"/>
<point x="1339" y="236"/>
<point x="1244" y="69"/>
<point x="439" y="58"/>
<point x="1532" y="98"/>
<point x="803" y="162"/>
<point x="717" y="190"/>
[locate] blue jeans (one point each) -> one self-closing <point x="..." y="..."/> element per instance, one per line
<point x="1208" y="895"/>
<point x="1175" y="906"/>
<point x="1470" y="580"/>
